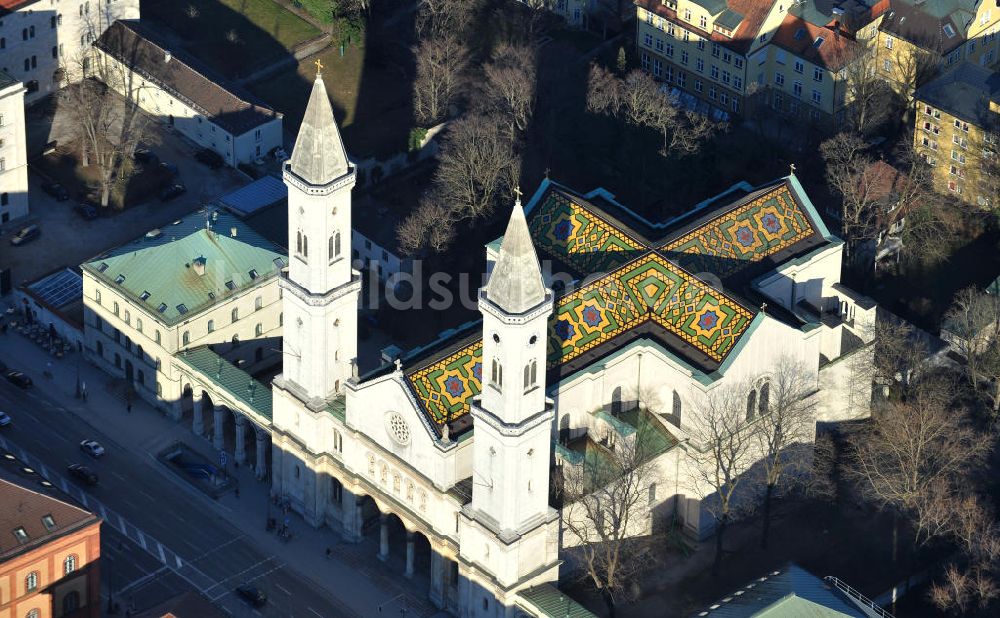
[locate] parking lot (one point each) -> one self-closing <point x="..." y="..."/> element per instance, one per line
<point x="67" y="239"/>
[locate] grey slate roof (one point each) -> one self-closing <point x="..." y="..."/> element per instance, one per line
<point x="138" y="47"/>
<point x="319" y="156"/>
<point x="965" y="92"/>
<point x="515" y="284"/>
<point x="6" y="80"/>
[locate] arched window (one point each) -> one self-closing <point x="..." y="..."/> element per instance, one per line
<point x="371" y="465"/>
<point x="157" y="336"/>
<point x="138" y="324"/>
<point x="71" y="602"/>
<point x="329" y="248"/>
<point x="258" y="330"/>
<point x="534" y="372"/>
<point x="336" y="244"/>
<point x="527" y="376"/>
<point x="211" y="326"/>
<point x="31" y="582"/>
<point x="677" y="407"/>
<point x="338" y="441"/>
<point x="235" y="314"/>
<point x="69" y="564"/>
<point x="530" y="374"/>
<point x="97" y="296"/>
<point x="186" y="338"/>
<point x="298" y="241"/>
<point x="751" y="404"/>
<point x="32" y="614"/>
<point x="258" y="303"/>
<point x="116" y="308"/>
<point x="652" y="493"/>
<point x="616" y="400"/>
<point x="496" y="375"/>
<point x="305" y="246"/>
<point x="764" y="403"/>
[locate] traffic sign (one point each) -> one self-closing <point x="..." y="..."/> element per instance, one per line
<point x="222" y="458"/>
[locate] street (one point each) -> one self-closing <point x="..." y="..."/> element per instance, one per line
<point x="159" y="538"/>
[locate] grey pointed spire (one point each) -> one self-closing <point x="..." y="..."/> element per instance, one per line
<point x="319" y="156"/>
<point x="516" y="285"/>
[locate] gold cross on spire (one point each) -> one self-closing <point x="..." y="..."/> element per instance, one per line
<point x="319" y="67"/>
<point x="791" y="169"/>
<point x="517" y="192"/>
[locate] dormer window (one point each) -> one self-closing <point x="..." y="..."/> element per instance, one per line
<point x="21" y="534"/>
<point x="253" y="273"/>
<point x="144" y="296"/>
<point x="48" y="522"/>
<point x="162" y="307"/>
<point x="120" y="279"/>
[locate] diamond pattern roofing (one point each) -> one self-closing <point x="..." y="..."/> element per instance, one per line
<point x="162" y="264"/>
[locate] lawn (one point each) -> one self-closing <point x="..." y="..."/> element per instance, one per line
<point x="370" y="96"/>
<point x="233" y="37"/>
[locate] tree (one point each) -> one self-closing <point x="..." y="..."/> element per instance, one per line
<point x="974" y="320"/>
<point x="784" y="432"/>
<point x="431" y="225"/>
<point x="104" y="109"/>
<point x="914" y="458"/>
<point x="439" y="17"/>
<point x="723" y="449"/>
<point x="477" y="166"/>
<point x="606" y="508"/>
<point x="440" y="61"/>
<point x="931" y="224"/>
<point x="849" y="172"/>
<point x="868" y="98"/>
<point x="509" y="87"/>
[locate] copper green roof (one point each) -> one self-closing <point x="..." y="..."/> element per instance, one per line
<point x="553" y="603"/>
<point x="238" y="384"/>
<point x="160" y="269"/>
<point x="730" y="20"/>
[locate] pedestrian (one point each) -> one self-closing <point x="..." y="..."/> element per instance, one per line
<point x="236" y="464"/>
<point x="327" y="553"/>
<point x="128" y="407"/>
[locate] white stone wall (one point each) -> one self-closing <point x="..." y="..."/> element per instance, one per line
<point x="62" y="30"/>
<point x="13" y="154"/>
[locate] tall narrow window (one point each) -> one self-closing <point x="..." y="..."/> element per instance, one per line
<point x="751" y="404"/>
<point x="336" y="243"/>
<point x="235" y="314"/>
<point x="69" y="565"/>
<point x="298" y="242"/>
<point x="677" y="407"/>
<point x="763" y="406"/>
<point x="616" y="400"/>
<point x="305" y="246"/>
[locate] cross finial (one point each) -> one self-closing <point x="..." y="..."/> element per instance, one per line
<point x="319" y="67"/>
<point x="547" y="170"/>
<point x="517" y="192"/>
<point x="763" y="307"/>
<point x="399" y="364"/>
<point x="791" y="169"/>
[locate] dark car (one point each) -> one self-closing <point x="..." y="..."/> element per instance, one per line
<point x="82" y="473"/>
<point x="252" y="595"/>
<point x="25" y="235"/>
<point x="56" y="190"/>
<point x="171" y="191"/>
<point x="210" y="158"/>
<point x="145" y="156"/>
<point x="18" y="379"/>
<point x="169" y="169"/>
<point x="86" y="211"/>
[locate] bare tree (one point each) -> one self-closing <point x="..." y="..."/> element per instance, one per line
<point x="477" y="167"/>
<point x="974" y="320"/>
<point x="105" y="111"/>
<point x="914" y="457"/>
<point x="440" y="61"/>
<point x="784" y="432"/>
<point x="723" y="449"/>
<point x="850" y="173"/>
<point x="439" y="17"/>
<point x="431" y="225"/>
<point x="931" y="224"/>
<point x="868" y="97"/>
<point x="606" y="508"/>
<point x="604" y="91"/>
<point x="510" y="83"/>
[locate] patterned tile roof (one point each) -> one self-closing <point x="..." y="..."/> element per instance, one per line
<point x="649" y="284"/>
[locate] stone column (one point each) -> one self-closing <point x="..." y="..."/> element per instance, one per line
<point x="176" y="410"/>
<point x="277" y="469"/>
<point x="198" y="425"/>
<point x="241" y="439"/>
<point x="438" y="566"/>
<point x="409" y="554"/>
<point x="261" y="469"/>
<point x="383" y="547"/>
<point x="219" y="440"/>
<point x="350" y="517"/>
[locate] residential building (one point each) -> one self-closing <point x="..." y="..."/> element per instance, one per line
<point x="180" y="93"/>
<point x="957" y="119"/>
<point x="43" y="43"/>
<point x="207" y="279"/>
<point x="918" y="39"/>
<point x="793" y="591"/>
<point x="50" y="550"/>
<point x="13" y="150"/>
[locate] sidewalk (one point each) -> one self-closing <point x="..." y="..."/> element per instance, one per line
<point x="147" y="431"/>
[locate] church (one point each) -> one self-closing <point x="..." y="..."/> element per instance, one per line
<point x="458" y="440"/>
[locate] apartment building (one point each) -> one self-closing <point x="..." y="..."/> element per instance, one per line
<point x="918" y="39"/>
<point x="13" y="153"/>
<point x="958" y="115"/>
<point x="42" y="41"/>
<point x="207" y="279"/>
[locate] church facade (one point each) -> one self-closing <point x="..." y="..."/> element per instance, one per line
<point x="458" y="440"/>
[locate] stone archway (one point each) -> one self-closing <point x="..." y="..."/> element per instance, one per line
<point x="186" y="402"/>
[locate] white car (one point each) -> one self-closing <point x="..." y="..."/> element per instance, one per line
<point x="92" y="448"/>
<point x="4" y="419"/>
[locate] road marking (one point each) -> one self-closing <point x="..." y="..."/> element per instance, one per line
<point x="119" y="476"/>
<point x="104" y="511"/>
<point x="142" y="539"/>
<point x="149" y="497"/>
<point x="45" y="471"/>
<point x="315" y="612"/>
<point x="121" y="525"/>
<point x="180" y="564"/>
<point x="279" y="587"/>
<point x="218" y="547"/>
<point x="250" y="568"/>
<point x="143" y="580"/>
<point x="223" y="608"/>
<point x="62" y="483"/>
<point x="159" y="548"/>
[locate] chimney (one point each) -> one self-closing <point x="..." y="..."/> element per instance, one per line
<point x="167" y="55"/>
<point x="199" y="266"/>
<point x="232" y="231"/>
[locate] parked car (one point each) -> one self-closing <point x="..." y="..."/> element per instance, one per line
<point x="18" y="379"/>
<point x="252" y="595"/>
<point x="210" y="158"/>
<point x="146" y="156"/>
<point x="279" y="153"/>
<point x="4" y="419"/>
<point x="25" y="235"/>
<point x="92" y="448"/>
<point x="171" y="191"/>
<point x="86" y="211"/>
<point x="82" y="473"/>
<point x="169" y="169"/>
<point x="56" y="190"/>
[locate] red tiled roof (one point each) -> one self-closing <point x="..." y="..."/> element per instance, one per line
<point x="753" y="11"/>
<point x="21" y="507"/>
<point x="833" y="53"/>
<point x="11" y="5"/>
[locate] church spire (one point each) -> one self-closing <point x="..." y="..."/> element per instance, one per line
<point x="516" y="285"/>
<point x="319" y="156"/>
